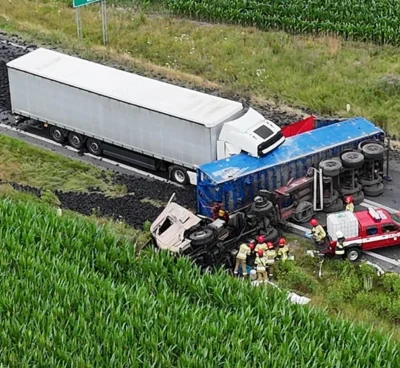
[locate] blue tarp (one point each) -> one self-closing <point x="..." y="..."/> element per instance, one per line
<point x="292" y="149"/>
<point x="234" y="182"/>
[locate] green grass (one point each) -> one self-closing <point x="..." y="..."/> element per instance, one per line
<point x="324" y="74"/>
<point x="28" y="165"/>
<point x="73" y="294"/>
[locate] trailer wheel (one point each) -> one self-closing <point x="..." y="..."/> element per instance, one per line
<point x="57" y="134"/>
<point x="358" y="198"/>
<point x="94" y="147"/>
<point x="352" y="159"/>
<point x="330" y="167"/>
<point x="373" y="151"/>
<point x="353" y="254"/>
<point x="271" y="234"/>
<point x="201" y="237"/>
<point x="179" y="175"/>
<point x="334" y="207"/>
<point x="373" y="190"/>
<point x="266" y="209"/>
<point x="75" y="140"/>
<point x="365" y="182"/>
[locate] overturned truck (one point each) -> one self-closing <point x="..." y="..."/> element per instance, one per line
<point x="213" y="242"/>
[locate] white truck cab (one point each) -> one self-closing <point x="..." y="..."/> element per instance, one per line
<point x="250" y="133"/>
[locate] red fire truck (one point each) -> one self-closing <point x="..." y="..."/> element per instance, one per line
<point x="364" y="230"/>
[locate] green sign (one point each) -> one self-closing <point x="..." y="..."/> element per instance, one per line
<point x="79" y="3"/>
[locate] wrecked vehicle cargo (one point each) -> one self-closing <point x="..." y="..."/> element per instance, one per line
<point x="213" y="242"/>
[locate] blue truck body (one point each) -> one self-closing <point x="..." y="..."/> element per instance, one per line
<point x="234" y="182"/>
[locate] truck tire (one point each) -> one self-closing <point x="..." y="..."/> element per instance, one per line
<point x="358" y="198"/>
<point x="352" y="160"/>
<point x="179" y="175"/>
<point x="75" y="140"/>
<point x="353" y="254"/>
<point x="263" y="210"/>
<point x="366" y="182"/>
<point x="271" y="234"/>
<point x="350" y="191"/>
<point x="373" y="151"/>
<point x="373" y="190"/>
<point x="94" y="147"/>
<point x="329" y="200"/>
<point x="330" y="167"/>
<point x="57" y="134"/>
<point x="201" y="237"/>
<point x="304" y="206"/>
<point x="334" y="207"/>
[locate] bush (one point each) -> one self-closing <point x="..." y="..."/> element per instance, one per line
<point x="391" y="283"/>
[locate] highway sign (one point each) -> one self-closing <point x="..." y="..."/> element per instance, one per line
<point x="79" y="3"/>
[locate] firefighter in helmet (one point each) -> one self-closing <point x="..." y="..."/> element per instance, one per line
<point x="261" y="262"/>
<point x="244" y="251"/>
<point x="270" y="256"/>
<point x="261" y="243"/>
<point x="283" y="250"/>
<point x="318" y="233"/>
<point x="339" y="249"/>
<point x="349" y="204"/>
<point x="223" y="215"/>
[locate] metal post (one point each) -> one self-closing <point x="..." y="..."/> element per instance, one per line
<point x="78" y="23"/>
<point x="104" y="20"/>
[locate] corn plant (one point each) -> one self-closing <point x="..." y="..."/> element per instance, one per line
<point x="73" y="295"/>
<point x="375" y="21"/>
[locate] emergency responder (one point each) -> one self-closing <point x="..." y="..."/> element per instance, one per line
<point x="244" y="251"/>
<point x="223" y="215"/>
<point x="261" y="243"/>
<point x="270" y="255"/>
<point x="318" y="233"/>
<point x="283" y="250"/>
<point x="339" y="249"/>
<point x="349" y="204"/>
<point x="261" y="262"/>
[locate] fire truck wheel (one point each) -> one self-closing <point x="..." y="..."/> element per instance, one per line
<point x="345" y="191"/>
<point x="201" y="237"/>
<point x="330" y="167"/>
<point x="358" y="198"/>
<point x="373" y="151"/>
<point x="352" y="160"/>
<point x="353" y="254"/>
<point x="373" y="190"/>
<point x="366" y="182"/>
<point x="334" y="207"/>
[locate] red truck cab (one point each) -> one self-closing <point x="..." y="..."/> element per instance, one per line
<point x="374" y="228"/>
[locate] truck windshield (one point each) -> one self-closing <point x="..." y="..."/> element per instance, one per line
<point x="395" y="217"/>
<point x="263" y="131"/>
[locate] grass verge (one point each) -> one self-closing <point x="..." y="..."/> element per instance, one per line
<point x="324" y="74"/>
<point x="75" y="295"/>
<point x="28" y="165"/>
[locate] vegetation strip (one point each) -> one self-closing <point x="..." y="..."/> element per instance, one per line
<point x="74" y="294"/>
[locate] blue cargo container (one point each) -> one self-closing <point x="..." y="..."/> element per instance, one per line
<point x="234" y="182"/>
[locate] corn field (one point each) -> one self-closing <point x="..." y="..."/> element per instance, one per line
<point x="73" y="295"/>
<point x="377" y="21"/>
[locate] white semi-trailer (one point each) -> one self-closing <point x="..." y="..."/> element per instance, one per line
<point x="139" y="120"/>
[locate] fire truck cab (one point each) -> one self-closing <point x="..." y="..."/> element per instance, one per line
<point x="364" y="230"/>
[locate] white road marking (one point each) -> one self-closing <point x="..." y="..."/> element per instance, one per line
<point x="383" y="258"/>
<point x="126" y="167"/>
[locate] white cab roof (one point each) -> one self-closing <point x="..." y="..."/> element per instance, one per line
<point x="145" y="92"/>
